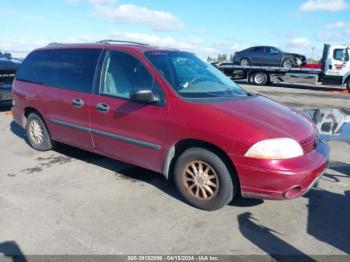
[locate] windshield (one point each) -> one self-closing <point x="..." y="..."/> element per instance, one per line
<point x="192" y="77"/>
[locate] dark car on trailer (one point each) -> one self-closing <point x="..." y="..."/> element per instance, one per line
<point x="268" y="56"/>
<point x="8" y="67"/>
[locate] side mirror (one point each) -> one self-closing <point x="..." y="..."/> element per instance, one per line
<point x="8" y="55"/>
<point x="144" y="96"/>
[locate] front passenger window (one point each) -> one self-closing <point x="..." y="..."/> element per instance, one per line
<point x="123" y="74"/>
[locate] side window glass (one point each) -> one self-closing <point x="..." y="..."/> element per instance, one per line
<point x="259" y="50"/>
<point x="123" y="74"/>
<point x="341" y="54"/>
<point x="72" y="69"/>
<point x="272" y="51"/>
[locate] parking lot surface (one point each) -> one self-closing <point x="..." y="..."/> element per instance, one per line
<point x="68" y="201"/>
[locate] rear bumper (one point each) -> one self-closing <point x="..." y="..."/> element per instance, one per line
<point x="282" y="179"/>
<point x="18" y="116"/>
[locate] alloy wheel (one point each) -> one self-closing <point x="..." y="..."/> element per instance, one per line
<point x="36" y="132"/>
<point x="200" y="180"/>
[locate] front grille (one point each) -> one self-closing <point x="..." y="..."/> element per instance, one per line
<point x="309" y="143"/>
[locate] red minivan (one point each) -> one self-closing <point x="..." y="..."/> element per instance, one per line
<point x="170" y="112"/>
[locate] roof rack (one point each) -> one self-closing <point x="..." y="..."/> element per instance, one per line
<point x="56" y="43"/>
<point x="107" y="41"/>
<point x="111" y="41"/>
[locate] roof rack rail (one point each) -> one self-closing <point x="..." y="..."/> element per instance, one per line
<point x="56" y="43"/>
<point x="111" y="41"/>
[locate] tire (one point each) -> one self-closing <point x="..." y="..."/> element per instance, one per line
<point x="348" y="85"/>
<point x="217" y="174"/>
<point x="260" y="79"/>
<point x="245" y="62"/>
<point x="37" y="133"/>
<point x="288" y="63"/>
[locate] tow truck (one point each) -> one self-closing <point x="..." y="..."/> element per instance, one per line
<point x="334" y="70"/>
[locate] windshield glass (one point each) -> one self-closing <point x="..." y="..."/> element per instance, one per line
<point x="192" y="77"/>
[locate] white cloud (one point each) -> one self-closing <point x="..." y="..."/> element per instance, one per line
<point x="129" y="13"/>
<point x="299" y="42"/>
<point x="324" y="5"/>
<point x="134" y="14"/>
<point x="339" y="25"/>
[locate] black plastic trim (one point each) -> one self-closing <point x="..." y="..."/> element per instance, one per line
<point x="107" y="134"/>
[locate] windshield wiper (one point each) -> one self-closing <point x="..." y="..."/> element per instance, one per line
<point x="235" y="92"/>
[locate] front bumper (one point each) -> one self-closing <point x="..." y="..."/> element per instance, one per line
<point x="281" y="179"/>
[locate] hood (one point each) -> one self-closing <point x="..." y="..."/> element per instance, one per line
<point x="293" y="54"/>
<point x="263" y="118"/>
<point x="7" y="64"/>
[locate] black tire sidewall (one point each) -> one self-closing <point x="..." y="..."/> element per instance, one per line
<point x="226" y="187"/>
<point x="348" y="85"/>
<point x="47" y="143"/>
<point x="264" y="82"/>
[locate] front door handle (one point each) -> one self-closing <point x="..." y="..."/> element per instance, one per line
<point x="77" y="102"/>
<point x="102" y="107"/>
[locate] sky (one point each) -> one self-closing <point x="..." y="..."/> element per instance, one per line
<point x="205" y="27"/>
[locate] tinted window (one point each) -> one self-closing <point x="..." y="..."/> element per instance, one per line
<point x="123" y="73"/>
<point x="341" y="54"/>
<point x="273" y="51"/>
<point x="258" y="50"/>
<point x="66" y="68"/>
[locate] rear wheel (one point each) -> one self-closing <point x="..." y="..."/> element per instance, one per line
<point x="203" y="179"/>
<point x="37" y="133"/>
<point x="260" y="78"/>
<point x="245" y="62"/>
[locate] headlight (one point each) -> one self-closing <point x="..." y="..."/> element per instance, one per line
<point x="277" y="148"/>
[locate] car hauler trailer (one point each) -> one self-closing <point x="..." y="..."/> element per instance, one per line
<point x="335" y="71"/>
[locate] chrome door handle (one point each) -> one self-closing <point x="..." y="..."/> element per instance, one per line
<point x="77" y="102"/>
<point x="102" y="107"/>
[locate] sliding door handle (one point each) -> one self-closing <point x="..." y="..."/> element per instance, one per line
<point x="102" y="107"/>
<point x="77" y="102"/>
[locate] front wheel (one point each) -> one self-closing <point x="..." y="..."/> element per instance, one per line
<point x="37" y="133"/>
<point x="288" y="63"/>
<point x="203" y="179"/>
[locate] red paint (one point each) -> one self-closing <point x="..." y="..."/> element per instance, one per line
<point x="232" y="126"/>
<point x="314" y="66"/>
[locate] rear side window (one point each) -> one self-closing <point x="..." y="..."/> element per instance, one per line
<point x="72" y="69"/>
<point x="258" y="50"/>
<point x="341" y="54"/>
